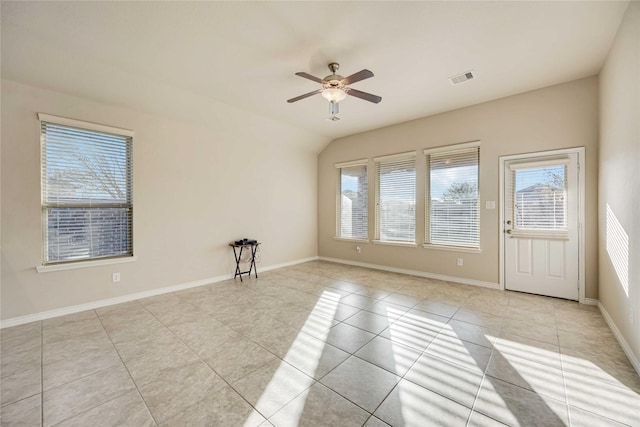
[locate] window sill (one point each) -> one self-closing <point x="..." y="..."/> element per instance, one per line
<point x="392" y="243"/>
<point x="347" y="239"/>
<point x="83" y="264"/>
<point x="452" y="248"/>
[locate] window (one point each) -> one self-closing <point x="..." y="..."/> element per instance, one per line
<point x="539" y="197"/>
<point x="352" y="206"/>
<point x="453" y="216"/>
<point x="87" y="199"/>
<point x="396" y="198"/>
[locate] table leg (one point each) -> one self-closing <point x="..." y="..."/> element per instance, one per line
<point x="238" y="257"/>
<point x="253" y="266"/>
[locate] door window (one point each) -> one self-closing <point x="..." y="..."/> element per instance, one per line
<point x="539" y="199"/>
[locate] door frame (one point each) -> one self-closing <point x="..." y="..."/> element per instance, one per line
<point x="580" y="151"/>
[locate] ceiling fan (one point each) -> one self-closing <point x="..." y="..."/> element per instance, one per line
<point x="335" y="88"/>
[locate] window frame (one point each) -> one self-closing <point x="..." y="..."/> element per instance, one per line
<point x="47" y="265"/>
<point x="412" y="156"/>
<point x="339" y="167"/>
<point x="452" y="246"/>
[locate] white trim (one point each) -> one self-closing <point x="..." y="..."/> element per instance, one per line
<point x="590" y="301"/>
<point x="84" y="264"/>
<point x="361" y="162"/>
<point x="501" y="201"/>
<point x="84" y="125"/>
<point x="15" y="321"/>
<point x="399" y="156"/>
<point x="392" y="243"/>
<point x="338" y="176"/>
<point x="347" y="239"/>
<point x="452" y="248"/>
<point x="582" y="195"/>
<point x="442" y="277"/>
<point x="623" y="343"/>
<point x="452" y="148"/>
<point x="540" y="164"/>
<point x="581" y="211"/>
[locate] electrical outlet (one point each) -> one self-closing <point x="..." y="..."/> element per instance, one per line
<point x="358" y="249"/>
<point x="116" y="277"/>
<point x="460" y="262"/>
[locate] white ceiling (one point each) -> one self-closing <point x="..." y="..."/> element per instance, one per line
<point x="245" y="54"/>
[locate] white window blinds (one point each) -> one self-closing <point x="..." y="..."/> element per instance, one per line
<point x="453" y="217"/>
<point x="539" y="197"/>
<point x="396" y="198"/>
<point x="353" y="214"/>
<point x="87" y="202"/>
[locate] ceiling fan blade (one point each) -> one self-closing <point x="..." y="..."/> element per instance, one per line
<point x="306" y="95"/>
<point x="310" y="77"/>
<point x="364" y="95"/>
<point x="360" y="75"/>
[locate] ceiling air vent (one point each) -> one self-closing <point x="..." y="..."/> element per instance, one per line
<point x="460" y="78"/>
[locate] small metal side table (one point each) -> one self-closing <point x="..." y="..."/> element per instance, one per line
<point x="253" y="247"/>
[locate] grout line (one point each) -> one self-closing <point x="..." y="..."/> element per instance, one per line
<point x="126" y="368"/>
<point x="93" y="407"/>
<point x="88" y="375"/>
<point x="4" y="405"/>
<point x="228" y="384"/>
<point x="367" y="420"/>
<point x="566" y="393"/>
<point x="351" y="401"/>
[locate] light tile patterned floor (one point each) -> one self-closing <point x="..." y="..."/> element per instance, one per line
<point x="321" y="344"/>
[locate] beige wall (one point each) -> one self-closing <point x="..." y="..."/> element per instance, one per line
<point x="552" y="118"/>
<point x="196" y="187"/>
<point x="619" y="179"/>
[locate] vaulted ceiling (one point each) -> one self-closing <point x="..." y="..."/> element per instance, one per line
<point x="245" y="54"/>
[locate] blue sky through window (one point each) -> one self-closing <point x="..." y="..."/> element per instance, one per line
<point x="539" y="176"/>
<point x="442" y="179"/>
<point x="349" y="183"/>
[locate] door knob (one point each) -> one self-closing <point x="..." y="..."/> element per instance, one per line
<point x="507" y="231"/>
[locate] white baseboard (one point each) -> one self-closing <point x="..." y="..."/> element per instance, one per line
<point x="590" y="301"/>
<point x="623" y="343"/>
<point x="20" y="320"/>
<point x="288" y="263"/>
<point x="462" y="280"/>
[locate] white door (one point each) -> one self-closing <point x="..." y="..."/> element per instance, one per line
<point x="541" y="246"/>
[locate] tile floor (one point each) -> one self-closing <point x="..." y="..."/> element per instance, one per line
<point x="321" y="344"/>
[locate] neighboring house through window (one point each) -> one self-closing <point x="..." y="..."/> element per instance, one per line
<point x="87" y="201"/>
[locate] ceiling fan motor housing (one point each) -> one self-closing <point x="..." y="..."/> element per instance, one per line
<point x="334" y="78"/>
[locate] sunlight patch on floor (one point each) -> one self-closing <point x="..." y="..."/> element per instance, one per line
<point x="411" y="329"/>
<point x="305" y="350"/>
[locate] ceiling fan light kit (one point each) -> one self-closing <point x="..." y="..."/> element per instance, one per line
<point x="335" y="88"/>
<point x="334" y="94"/>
